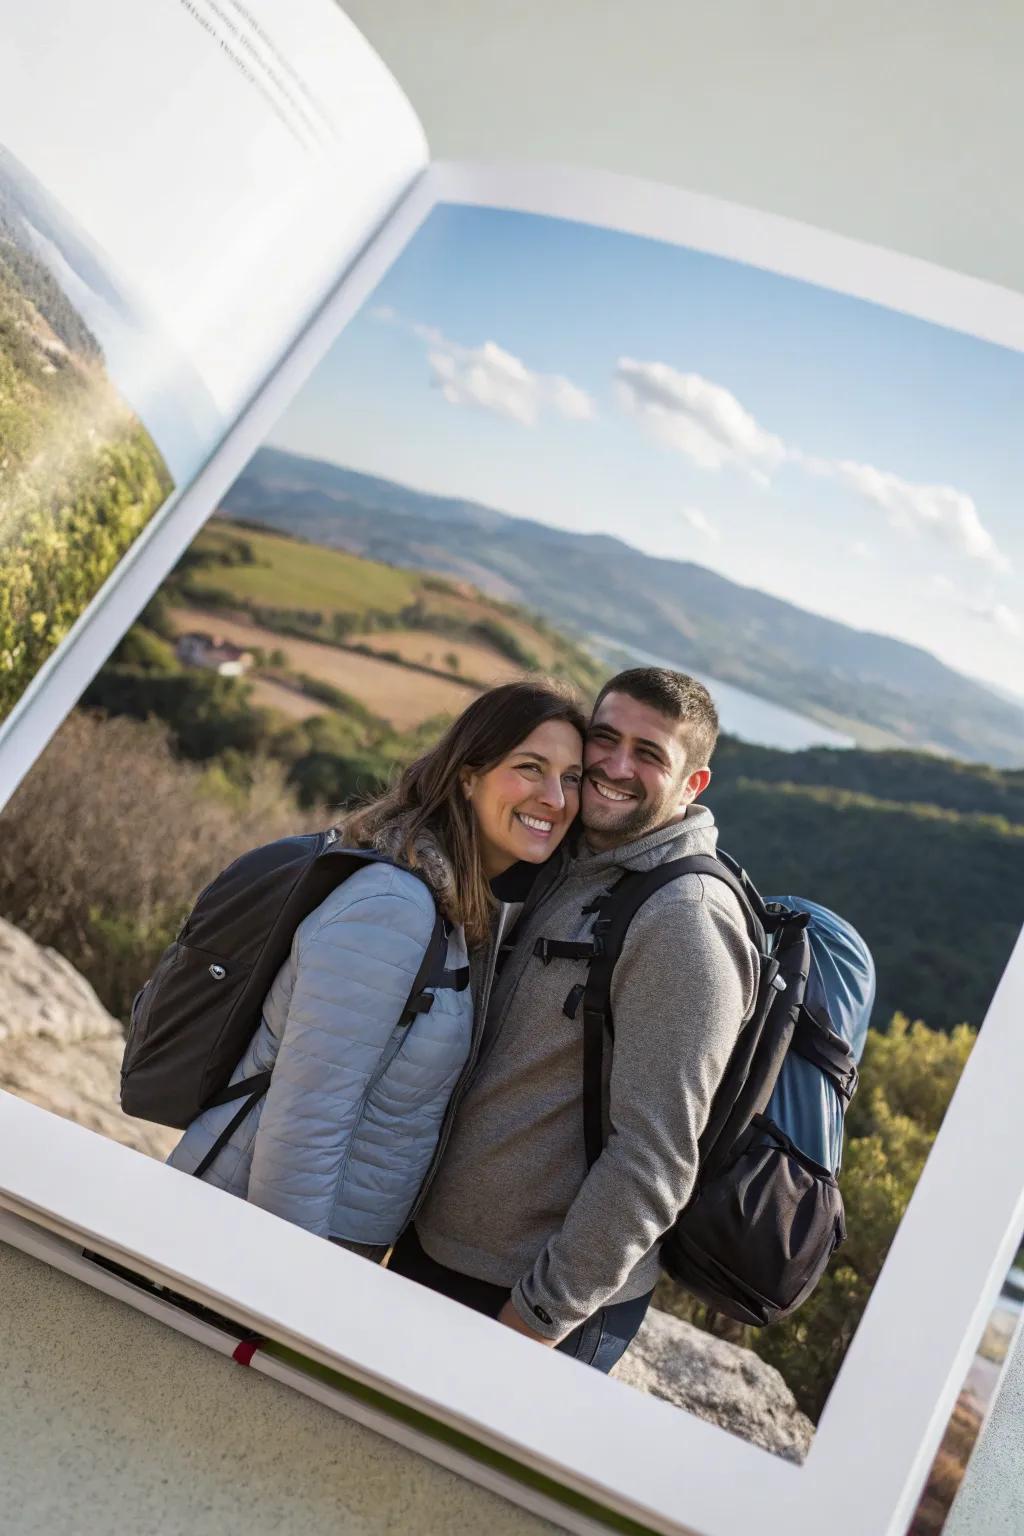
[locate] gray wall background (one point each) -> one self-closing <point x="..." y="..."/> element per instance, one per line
<point x="112" y="1422"/>
<point x="895" y="123"/>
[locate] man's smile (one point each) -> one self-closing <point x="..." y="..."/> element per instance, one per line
<point x="607" y="792"/>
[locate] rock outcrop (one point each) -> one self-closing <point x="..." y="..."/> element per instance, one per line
<point x="720" y="1382"/>
<point x="60" y="1048"/>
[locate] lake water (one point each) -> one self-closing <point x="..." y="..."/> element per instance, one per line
<point x="744" y="714"/>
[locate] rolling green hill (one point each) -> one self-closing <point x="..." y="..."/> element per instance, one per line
<point x="917" y="778"/>
<point x="330" y="596"/>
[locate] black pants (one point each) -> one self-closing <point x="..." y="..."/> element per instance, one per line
<point x="600" y="1341"/>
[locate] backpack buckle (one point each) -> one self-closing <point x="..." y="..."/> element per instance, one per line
<point x="572" y="1003"/>
<point x="421" y="1004"/>
<point x="547" y="950"/>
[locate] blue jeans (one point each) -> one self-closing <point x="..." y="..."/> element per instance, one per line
<point x="600" y="1341"/>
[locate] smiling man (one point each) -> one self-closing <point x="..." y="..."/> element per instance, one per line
<point x="515" y="1223"/>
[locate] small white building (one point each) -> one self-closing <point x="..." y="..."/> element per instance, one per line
<point x="197" y="649"/>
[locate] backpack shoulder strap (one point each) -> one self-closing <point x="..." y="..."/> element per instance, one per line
<point x="615" y="913"/>
<point x="431" y="976"/>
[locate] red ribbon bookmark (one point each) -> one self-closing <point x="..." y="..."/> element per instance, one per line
<point x="246" y="1349"/>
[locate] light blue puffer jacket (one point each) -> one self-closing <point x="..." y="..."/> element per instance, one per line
<point x="344" y="1135"/>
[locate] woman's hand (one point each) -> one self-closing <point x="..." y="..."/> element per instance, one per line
<point x="511" y="1319"/>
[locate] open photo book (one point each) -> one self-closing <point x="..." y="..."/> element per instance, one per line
<point x="305" y="442"/>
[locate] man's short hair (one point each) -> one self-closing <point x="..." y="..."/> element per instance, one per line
<point x="676" y="695"/>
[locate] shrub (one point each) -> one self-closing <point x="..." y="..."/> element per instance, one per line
<point x="328" y="778"/>
<point x="148" y="652"/>
<point x="208" y="715"/>
<point x="109" y="839"/>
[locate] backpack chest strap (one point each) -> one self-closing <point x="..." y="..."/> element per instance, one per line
<point x="547" y="950"/>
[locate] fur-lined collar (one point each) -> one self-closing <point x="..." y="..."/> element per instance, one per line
<point x="430" y="859"/>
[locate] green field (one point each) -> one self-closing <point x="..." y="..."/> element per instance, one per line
<point x="285" y="573"/>
<point x="315" y="593"/>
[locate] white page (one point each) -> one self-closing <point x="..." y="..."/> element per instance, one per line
<point x="455" y="370"/>
<point x="192" y="178"/>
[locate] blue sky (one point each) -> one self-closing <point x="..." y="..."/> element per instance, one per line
<point x="855" y="461"/>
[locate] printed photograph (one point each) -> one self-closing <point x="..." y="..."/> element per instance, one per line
<point x="156" y="260"/>
<point x="580" y="555"/>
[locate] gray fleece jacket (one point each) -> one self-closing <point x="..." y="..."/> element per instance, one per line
<point x="512" y="1201"/>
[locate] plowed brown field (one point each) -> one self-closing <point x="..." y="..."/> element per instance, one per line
<point x="398" y="694"/>
<point x="475" y="661"/>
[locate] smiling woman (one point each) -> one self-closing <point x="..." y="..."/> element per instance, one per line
<point x="526" y="803"/>
<point x="344" y="1106"/>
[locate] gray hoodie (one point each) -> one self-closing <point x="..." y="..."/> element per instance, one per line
<point x="512" y="1201"/>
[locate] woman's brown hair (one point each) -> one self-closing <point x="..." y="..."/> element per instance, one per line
<point x="429" y="794"/>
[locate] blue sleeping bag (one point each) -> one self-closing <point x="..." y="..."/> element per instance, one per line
<point x="841" y="984"/>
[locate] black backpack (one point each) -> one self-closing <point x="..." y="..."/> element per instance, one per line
<point x="764" y="1217"/>
<point x="195" y="1016"/>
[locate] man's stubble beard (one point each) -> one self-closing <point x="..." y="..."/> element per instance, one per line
<point x="633" y="825"/>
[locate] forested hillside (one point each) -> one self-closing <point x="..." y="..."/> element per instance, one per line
<point x="938" y="894"/>
<point x="79" y="475"/>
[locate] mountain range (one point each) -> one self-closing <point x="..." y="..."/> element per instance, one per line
<point x="881" y="691"/>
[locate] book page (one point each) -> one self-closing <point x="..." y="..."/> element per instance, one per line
<point x="181" y="184"/>
<point x="579" y="425"/>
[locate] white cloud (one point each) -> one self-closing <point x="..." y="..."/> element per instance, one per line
<point x="428" y="333"/>
<point x="492" y="379"/>
<point x="709" y="425"/>
<point x="1002" y="619"/>
<point x="697" y="418"/>
<point x="944" y="513"/>
<point x="943" y="586"/>
<point x="861" y="550"/>
<point x="700" y="521"/>
<point x="568" y="399"/>
<point x="495" y="380"/>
